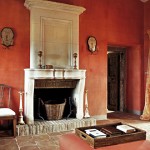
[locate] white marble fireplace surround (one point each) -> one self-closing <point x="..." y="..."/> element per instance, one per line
<point x="54" y="30"/>
<point x="32" y="74"/>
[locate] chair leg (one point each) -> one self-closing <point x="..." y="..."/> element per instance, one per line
<point x="14" y="126"/>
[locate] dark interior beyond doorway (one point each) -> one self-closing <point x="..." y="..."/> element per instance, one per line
<point x="116" y="78"/>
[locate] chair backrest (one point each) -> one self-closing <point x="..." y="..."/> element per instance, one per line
<point x="5" y="95"/>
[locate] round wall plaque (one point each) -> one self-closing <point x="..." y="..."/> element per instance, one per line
<point x="7" y="36"/>
<point x="92" y="44"/>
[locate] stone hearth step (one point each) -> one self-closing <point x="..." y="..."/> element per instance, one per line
<point x="41" y="127"/>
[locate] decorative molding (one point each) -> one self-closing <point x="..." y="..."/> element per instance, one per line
<point x="45" y="4"/>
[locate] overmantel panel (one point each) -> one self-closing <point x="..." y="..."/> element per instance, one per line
<point x="42" y="11"/>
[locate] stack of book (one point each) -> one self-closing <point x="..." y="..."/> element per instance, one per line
<point x="125" y="128"/>
<point x="95" y="133"/>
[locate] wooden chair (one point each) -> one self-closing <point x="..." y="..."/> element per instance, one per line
<point x="6" y="113"/>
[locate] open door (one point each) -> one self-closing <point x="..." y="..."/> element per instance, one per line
<point x="116" y="79"/>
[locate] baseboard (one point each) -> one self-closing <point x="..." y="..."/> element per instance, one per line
<point x="100" y="117"/>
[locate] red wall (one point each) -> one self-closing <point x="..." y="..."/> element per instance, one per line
<point x="117" y="23"/>
<point x="15" y="58"/>
<point x="125" y="27"/>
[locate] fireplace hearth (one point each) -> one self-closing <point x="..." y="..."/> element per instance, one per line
<point x="63" y="125"/>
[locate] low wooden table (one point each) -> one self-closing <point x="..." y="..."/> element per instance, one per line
<point x="73" y="142"/>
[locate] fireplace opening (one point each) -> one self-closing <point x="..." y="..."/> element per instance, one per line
<point x="57" y="96"/>
<point x="67" y="79"/>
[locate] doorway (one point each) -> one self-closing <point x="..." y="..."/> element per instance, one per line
<point x="116" y="78"/>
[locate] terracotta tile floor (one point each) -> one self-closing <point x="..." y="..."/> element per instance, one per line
<point x="50" y="141"/>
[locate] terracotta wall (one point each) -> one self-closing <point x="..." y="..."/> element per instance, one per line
<point x="14" y="59"/>
<point x="113" y="23"/>
<point x="125" y="27"/>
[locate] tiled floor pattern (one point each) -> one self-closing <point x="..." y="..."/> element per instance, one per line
<point x="36" y="142"/>
<point x="50" y="141"/>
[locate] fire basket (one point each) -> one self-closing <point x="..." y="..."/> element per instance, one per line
<point x="54" y="111"/>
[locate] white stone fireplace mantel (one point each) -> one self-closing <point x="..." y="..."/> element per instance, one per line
<point x="54" y="32"/>
<point x="32" y="74"/>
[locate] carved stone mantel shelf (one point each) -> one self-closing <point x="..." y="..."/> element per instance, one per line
<point x="32" y="74"/>
<point x="55" y="73"/>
